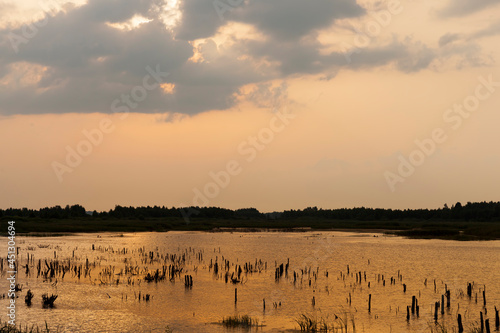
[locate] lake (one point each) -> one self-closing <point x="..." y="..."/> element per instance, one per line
<point x="330" y="277"/>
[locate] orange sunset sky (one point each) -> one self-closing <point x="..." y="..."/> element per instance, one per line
<point x="269" y="104"/>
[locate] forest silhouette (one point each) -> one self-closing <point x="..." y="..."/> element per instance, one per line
<point x="477" y="211"/>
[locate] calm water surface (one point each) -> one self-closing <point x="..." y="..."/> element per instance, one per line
<point x="107" y="299"/>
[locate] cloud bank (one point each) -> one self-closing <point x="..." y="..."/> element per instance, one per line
<point x="81" y="58"/>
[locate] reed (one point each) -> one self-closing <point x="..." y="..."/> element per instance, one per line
<point x="244" y="321"/>
<point x="48" y="301"/>
<point x="309" y="323"/>
<point x="6" y="328"/>
<point x="442" y="328"/>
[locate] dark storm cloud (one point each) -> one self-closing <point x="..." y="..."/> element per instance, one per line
<point x="88" y="64"/>
<point x="456" y="8"/>
<point x="283" y="19"/>
<point x="199" y="20"/>
<point x="305" y="57"/>
<point x="114" y="10"/>
<point x="292" y="19"/>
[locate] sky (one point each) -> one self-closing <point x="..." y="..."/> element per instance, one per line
<point x="272" y="104"/>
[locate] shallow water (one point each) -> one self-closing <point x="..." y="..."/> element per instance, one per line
<point x="97" y="303"/>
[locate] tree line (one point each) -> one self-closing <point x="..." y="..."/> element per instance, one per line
<point x="477" y="211"/>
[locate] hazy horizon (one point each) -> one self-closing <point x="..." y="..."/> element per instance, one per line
<point x="449" y="205"/>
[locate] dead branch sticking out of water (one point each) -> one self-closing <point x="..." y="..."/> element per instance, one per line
<point x="28" y="297"/>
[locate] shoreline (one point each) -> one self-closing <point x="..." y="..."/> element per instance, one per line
<point x="424" y="229"/>
<point x="381" y="232"/>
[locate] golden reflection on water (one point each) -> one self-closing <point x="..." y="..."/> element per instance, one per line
<point x="107" y="299"/>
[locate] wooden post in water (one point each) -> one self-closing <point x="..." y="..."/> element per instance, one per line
<point x="264" y="303"/>
<point x="497" y="320"/>
<point x="484" y="297"/>
<point x="235" y="295"/>
<point x="442" y="304"/>
<point x="408" y="313"/>
<point x="369" y="302"/>
<point x="460" y="326"/>
<point x="436" y="308"/>
<point x="487" y="323"/>
<point x="413" y="298"/>
<point x="482" y="321"/>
